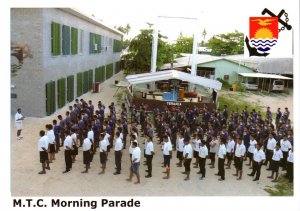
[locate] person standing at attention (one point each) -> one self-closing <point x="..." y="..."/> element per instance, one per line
<point x="43" y="147"/>
<point x="239" y="155"/>
<point x="167" y="152"/>
<point x="19" y="123"/>
<point x="258" y="159"/>
<point x="149" y="152"/>
<point x="86" y="149"/>
<point x="187" y="158"/>
<point x="203" y="154"/>
<point x="135" y="163"/>
<point x="68" y="150"/>
<point x="221" y="159"/>
<point x="118" y="153"/>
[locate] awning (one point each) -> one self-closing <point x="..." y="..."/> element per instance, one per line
<point x="263" y="75"/>
<point x="173" y="74"/>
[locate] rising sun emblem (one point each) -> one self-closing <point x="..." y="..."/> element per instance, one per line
<point x="263" y="33"/>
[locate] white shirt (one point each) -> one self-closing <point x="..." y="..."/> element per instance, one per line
<point x="214" y="149"/>
<point x="90" y="135"/>
<point x="203" y="151"/>
<point x="74" y="138"/>
<point x="136" y="154"/>
<point x="277" y="155"/>
<point x="271" y="144"/>
<point x="230" y="146"/>
<point x="43" y="142"/>
<point x="222" y="151"/>
<point x="106" y="138"/>
<point x="240" y="150"/>
<point x="51" y="136"/>
<point x="196" y="145"/>
<point x="285" y="145"/>
<point x="290" y="157"/>
<point x="149" y="148"/>
<point x="259" y="155"/>
<point x="180" y="145"/>
<point x="252" y="145"/>
<point x="167" y="148"/>
<point x="86" y="144"/>
<point x="188" y="150"/>
<point x="68" y="142"/>
<point x="103" y="146"/>
<point x="118" y="144"/>
<point x="18" y="118"/>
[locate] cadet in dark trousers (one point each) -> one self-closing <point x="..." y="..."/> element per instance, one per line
<point x="258" y="159"/>
<point x="290" y="165"/>
<point x="43" y="146"/>
<point x="149" y="152"/>
<point x="68" y="151"/>
<point x="118" y="153"/>
<point x="221" y="159"/>
<point x="203" y="154"/>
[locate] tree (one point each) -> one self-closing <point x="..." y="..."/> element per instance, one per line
<point x="227" y="44"/>
<point x="183" y="45"/>
<point x="125" y="30"/>
<point x="138" y="59"/>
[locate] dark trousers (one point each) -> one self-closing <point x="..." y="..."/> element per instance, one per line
<point x="202" y="162"/>
<point x="284" y="162"/>
<point x="269" y="155"/>
<point x="124" y="141"/>
<point x="68" y="160"/>
<point x="149" y="163"/>
<point x="256" y="169"/>
<point x="290" y="171"/>
<point x="118" y="157"/>
<point x="221" y="168"/>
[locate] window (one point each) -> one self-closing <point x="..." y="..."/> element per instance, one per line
<point x="55" y="39"/>
<point x="80" y="41"/>
<point x="95" y="43"/>
<point x="226" y="77"/>
<point x="74" y="41"/>
<point x="117" y="46"/>
<point x="65" y="40"/>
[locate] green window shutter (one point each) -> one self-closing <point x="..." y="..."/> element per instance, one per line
<point x="91" y="79"/>
<point x="61" y="92"/>
<point x="97" y="74"/>
<point x="91" y="43"/>
<point x="117" y="46"/>
<point x="74" y="41"/>
<point x="55" y="39"/>
<point x="103" y="78"/>
<point x="79" y="84"/>
<point x="109" y="71"/>
<point x="50" y="97"/>
<point x="117" y="67"/>
<point x="85" y="81"/>
<point x="70" y="88"/>
<point x="65" y="40"/>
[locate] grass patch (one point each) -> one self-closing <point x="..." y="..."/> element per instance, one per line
<point x="282" y="188"/>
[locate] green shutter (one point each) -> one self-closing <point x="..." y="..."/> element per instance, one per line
<point x="103" y="78"/>
<point x="50" y="97"/>
<point x="74" y="41"/>
<point x="117" y="67"/>
<point x="79" y="84"/>
<point x="97" y="74"/>
<point x="91" y="43"/>
<point x="117" y="46"/>
<point x="109" y="71"/>
<point x="65" y="40"/>
<point x="85" y="81"/>
<point x="61" y="92"/>
<point x="70" y="88"/>
<point x="55" y="39"/>
<point x="91" y="79"/>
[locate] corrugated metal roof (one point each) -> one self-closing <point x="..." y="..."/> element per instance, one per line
<point x="173" y="74"/>
<point x="263" y="75"/>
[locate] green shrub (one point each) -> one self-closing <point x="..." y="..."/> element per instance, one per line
<point x="241" y="88"/>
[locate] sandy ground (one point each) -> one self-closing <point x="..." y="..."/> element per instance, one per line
<point x="27" y="182"/>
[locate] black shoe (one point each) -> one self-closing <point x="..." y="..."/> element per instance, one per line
<point x="148" y="176"/>
<point x="116" y="173"/>
<point x="66" y="171"/>
<point x="42" y="172"/>
<point x="183" y="172"/>
<point x="255" y="179"/>
<point x="146" y="170"/>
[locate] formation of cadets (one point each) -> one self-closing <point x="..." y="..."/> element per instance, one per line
<point x="223" y="138"/>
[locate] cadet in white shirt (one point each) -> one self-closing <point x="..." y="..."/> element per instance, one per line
<point x="86" y="149"/>
<point x="167" y="152"/>
<point x="90" y="136"/>
<point x="135" y="163"/>
<point x="213" y="150"/>
<point x="258" y="159"/>
<point x="290" y="165"/>
<point x="252" y="146"/>
<point x="51" y="138"/>
<point x="149" y="152"/>
<point x="221" y="159"/>
<point x="18" y="122"/>
<point x="285" y="147"/>
<point x="277" y="156"/>
<point x="68" y="150"/>
<point x="187" y="153"/>
<point x="229" y="151"/>
<point x="180" y="145"/>
<point x="43" y="146"/>
<point x="239" y="155"/>
<point x="196" y="144"/>
<point x="203" y="154"/>
<point x="74" y="145"/>
<point x="270" y="149"/>
<point x="118" y="153"/>
<point x="103" y="152"/>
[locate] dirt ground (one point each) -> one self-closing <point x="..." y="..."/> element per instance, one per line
<point x="27" y="182"/>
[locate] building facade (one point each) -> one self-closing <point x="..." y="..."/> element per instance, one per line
<point x="69" y="52"/>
